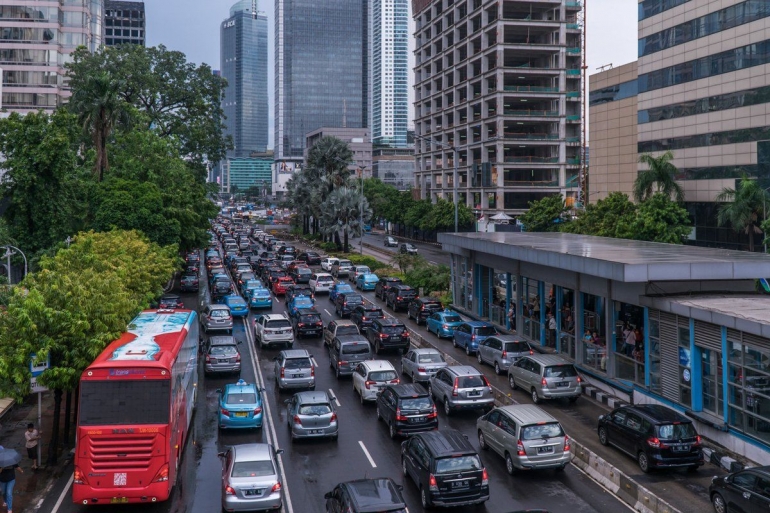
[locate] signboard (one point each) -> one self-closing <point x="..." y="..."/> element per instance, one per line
<point x="229" y="24"/>
<point x="36" y="368"/>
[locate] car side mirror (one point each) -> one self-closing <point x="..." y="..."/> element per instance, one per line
<point x="278" y="451"/>
<point x="328" y="495"/>
<point x="221" y="454"/>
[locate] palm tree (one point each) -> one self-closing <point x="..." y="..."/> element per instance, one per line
<point x="741" y="207"/>
<point x="331" y="156"/>
<point x="342" y="211"/>
<point x="660" y="173"/>
<point x="99" y="107"/>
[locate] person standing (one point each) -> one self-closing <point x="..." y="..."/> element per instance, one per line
<point x="629" y="340"/>
<point x="551" y="330"/>
<point x="7" y="480"/>
<point x="512" y="317"/>
<point x="33" y="437"/>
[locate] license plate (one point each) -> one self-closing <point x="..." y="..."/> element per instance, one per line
<point x="252" y="493"/>
<point x="316" y="431"/>
<point x="278" y="332"/>
<point x="395" y="339"/>
<point x="223" y="361"/>
<point x="680" y="448"/>
<point x="544" y="450"/>
<point x="474" y="393"/>
<point x="119" y="500"/>
<point x="460" y="484"/>
<point x="296" y="375"/>
<point x="417" y="420"/>
<point x="241" y="414"/>
<point x="562" y="384"/>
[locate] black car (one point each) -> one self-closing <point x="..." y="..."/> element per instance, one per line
<point x="388" y="333"/>
<point x="189" y="282"/>
<point x="421" y="308"/>
<point x="345" y="302"/>
<point x="399" y="296"/>
<point x="446" y="469"/>
<point x="221" y="287"/>
<point x="381" y="289"/>
<point x="406" y="409"/>
<point x="746" y="490"/>
<point x="297" y="290"/>
<point x="362" y="495"/>
<point x="656" y="436"/>
<point x="308" y="323"/>
<point x="364" y="315"/>
<point x="310" y="258"/>
<point x="170" y="302"/>
<point x="287" y="250"/>
<point x="301" y="274"/>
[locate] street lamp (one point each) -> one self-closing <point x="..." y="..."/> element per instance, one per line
<point x="9" y="254"/>
<point x="361" y="212"/>
<point x="454" y="181"/>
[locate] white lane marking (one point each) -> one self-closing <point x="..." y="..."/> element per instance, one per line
<point x="63" y="494"/>
<point x="315" y="363"/>
<point x="368" y="456"/>
<point x="334" y="398"/>
<point x="272" y="437"/>
<point x="327" y="312"/>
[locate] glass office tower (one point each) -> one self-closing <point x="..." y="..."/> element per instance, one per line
<point x="390" y="70"/>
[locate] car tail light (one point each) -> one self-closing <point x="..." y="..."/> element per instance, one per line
<point x="656" y="443"/>
<point x="394" y="381"/>
<point x="399" y="417"/>
<point x="257" y="411"/>
<point x="531" y="352"/>
<point x="312" y="370"/>
<point x="484" y="477"/>
<point x="566" y="443"/>
<point x="544" y="382"/>
<point x="225" y="412"/>
<point x="334" y="417"/>
<point x="578" y="380"/>
<point x="342" y="362"/>
<point x="238" y="357"/>
<point x="520" y="449"/>
<point x="229" y="490"/>
<point x="383" y="335"/>
<point x="420" y="369"/>
<point x="505" y="354"/>
<point x="434" y="413"/>
<point x="473" y="337"/>
<point x="445" y="326"/>
<point x="433" y="485"/>
<point x="422" y="307"/>
<point x="208" y="359"/>
<point x="457" y="385"/>
<point x="698" y="441"/>
<point x="276" y="488"/>
<point x="368" y="383"/>
<point x="162" y="475"/>
<point x="297" y="420"/>
<point x="78" y="477"/>
<point x="301" y="324"/>
<point x="363" y="318"/>
<point x="405" y="333"/>
<point x="283" y="373"/>
<point x="399" y="298"/>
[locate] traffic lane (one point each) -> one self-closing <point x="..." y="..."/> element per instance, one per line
<point x="432" y="253"/>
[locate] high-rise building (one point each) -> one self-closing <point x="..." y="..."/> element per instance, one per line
<point x="390" y="71"/>
<point x="243" y="64"/>
<point x="321" y="70"/>
<point x="701" y="89"/>
<point x="36" y="40"/>
<point x="124" y="23"/>
<point x="497" y="86"/>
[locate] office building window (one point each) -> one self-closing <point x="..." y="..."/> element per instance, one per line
<point x="652" y="7"/>
<point x="712" y="139"/>
<point x="748" y="386"/>
<point x="734" y="100"/>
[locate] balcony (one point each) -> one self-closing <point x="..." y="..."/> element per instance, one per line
<point x="573" y="117"/>
<point x="573" y="140"/>
<point x="574" y="161"/>
<point x="573" y="5"/>
<point x="573" y="26"/>
<point x="530" y="113"/>
<point x="530" y="89"/>
<point x="530" y="136"/>
<point x="573" y="94"/>
<point x="574" y="51"/>
<point x="531" y="160"/>
<point x="573" y="72"/>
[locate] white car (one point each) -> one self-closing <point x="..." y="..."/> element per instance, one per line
<point x="321" y="282"/>
<point x="372" y="375"/>
<point x="357" y="271"/>
<point x="327" y="263"/>
<point x="273" y="329"/>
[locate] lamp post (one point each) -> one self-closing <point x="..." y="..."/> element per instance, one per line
<point x="764" y="215"/>
<point x="454" y="181"/>
<point x="9" y="254"/>
<point x="361" y="212"/>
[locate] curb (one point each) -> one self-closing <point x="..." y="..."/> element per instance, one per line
<point x="722" y="460"/>
<point x="601" y="396"/>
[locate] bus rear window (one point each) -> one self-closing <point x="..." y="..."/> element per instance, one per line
<point x="110" y="403"/>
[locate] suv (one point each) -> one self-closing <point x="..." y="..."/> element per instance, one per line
<point x="301" y="274"/>
<point x="216" y="317"/>
<point x="446" y="469"/>
<point x="273" y="329"/>
<point x="390" y="242"/>
<point x="545" y="376"/>
<point x="342" y="268"/>
<point x="337" y="328"/>
<point x="469" y="334"/>
<point x="294" y="369"/>
<point x="364" y="315"/>
<point x="380" y="494"/>
<point x="346" y="351"/>
<point x="381" y="289"/>
<point x="422" y="307"/>
<point x="406" y="409"/>
<point x="388" y="333"/>
<point x="308" y="323"/>
<point x="310" y="258"/>
<point x="370" y="376"/>
<point x="500" y="351"/>
<point x="399" y="296"/>
<point x="345" y="302"/>
<point x="189" y="282"/>
<point x="321" y="282"/>
<point x="525" y="436"/>
<point x="658" y="437"/>
<point x="461" y="387"/>
<point x="222" y="355"/>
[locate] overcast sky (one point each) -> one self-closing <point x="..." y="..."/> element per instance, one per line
<point x="192" y="27"/>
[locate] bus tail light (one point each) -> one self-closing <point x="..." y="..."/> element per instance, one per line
<point x="162" y="475"/>
<point x="79" y="477"/>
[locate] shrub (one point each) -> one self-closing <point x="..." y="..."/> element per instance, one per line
<point x="366" y="260"/>
<point x="388" y="271"/>
<point x="329" y="246"/>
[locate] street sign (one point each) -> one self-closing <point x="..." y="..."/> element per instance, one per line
<point x="36" y="368"/>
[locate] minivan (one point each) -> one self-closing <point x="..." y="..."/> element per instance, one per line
<point x="500" y="351"/>
<point x="525" y="436"/>
<point x="461" y="387"/>
<point x="222" y="355"/>
<point x="545" y="376"/>
<point x="346" y="351"/>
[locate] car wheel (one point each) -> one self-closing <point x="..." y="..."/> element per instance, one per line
<point x="478" y="357"/>
<point x="337" y="372"/>
<point x="497" y="368"/>
<point x="509" y="464"/>
<point x="644" y="462"/>
<point x="719" y="503"/>
<point x="447" y="407"/>
<point x="535" y="397"/>
<point x="403" y="467"/>
<point x="379" y="415"/>
<point x="603" y="437"/>
<point x="454" y="342"/>
<point x="392" y="431"/>
<point x="468" y="350"/>
<point x="430" y="390"/>
<point x="482" y="441"/>
<point x="424" y="499"/>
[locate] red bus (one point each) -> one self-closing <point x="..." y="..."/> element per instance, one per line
<point x="135" y="408"/>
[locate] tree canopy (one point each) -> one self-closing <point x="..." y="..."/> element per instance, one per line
<point x="660" y="174"/>
<point x="544" y="215"/>
<point x="741" y="207"/>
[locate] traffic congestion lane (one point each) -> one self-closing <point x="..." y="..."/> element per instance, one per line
<point x="432" y="253"/>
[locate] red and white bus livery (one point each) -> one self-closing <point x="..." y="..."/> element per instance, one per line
<point x="135" y="408"/>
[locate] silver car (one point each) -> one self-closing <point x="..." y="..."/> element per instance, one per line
<point x="312" y="415"/>
<point x="501" y="351"/>
<point x="526" y="436"/>
<point x="222" y="355"/>
<point x="294" y="369"/>
<point x="461" y="387"/>
<point x="545" y="376"/>
<point x="250" y="480"/>
<point x="422" y="363"/>
<point x="216" y="317"/>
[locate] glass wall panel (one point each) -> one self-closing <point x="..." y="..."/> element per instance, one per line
<point x="594" y="338"/>
<point x="497" y="311"/>
<point x="628" y="342"/>
<point x="551" y="324"/>
<point x="685" y="366"/>
<point x="567" y="333"/>
<point x="531" y="309"/>
<point x="654" y="337"/>
<point x="711" y="367"/>
<point x="748" y="391"/>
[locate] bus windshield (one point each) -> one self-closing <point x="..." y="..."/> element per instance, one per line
<point x="131" y="401"/>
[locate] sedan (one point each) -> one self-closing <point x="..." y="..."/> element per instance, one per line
<point x="312" y="415"/>
<point x="390" y="242"/>
<point x="260" y="298"/>
<point x="443" y="324"/>
<point x="240" y="406"/>
<point x="422" y="363"/>
<point x="170" y="302"/>
<point x="250" y="480"/>
<point x="367" y="281"/>
<point x="238" y="306"/>
<point x="311" y="258"/>
<point x="299" y="302"/>
<point x="337" y="289"/>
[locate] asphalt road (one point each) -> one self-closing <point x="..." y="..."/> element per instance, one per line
<point x="432" y="253"/>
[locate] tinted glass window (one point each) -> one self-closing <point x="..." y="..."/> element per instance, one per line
<point x="675" y="431"/>
<point x="745" y="479"/>
<point x="430" y="358"/>
<point x="315" y="409"/>
<point x="452" y="318"/>
<point x="382" y="375"/>
<point x="472" y="381"/>
<point x="222" y="350"/>
<point x="310" y="318"/>
<point x="393" y="330"/>
<point x="347" y="330"/>
<point x="458" y="464"/>
<point x="279" y="323"/>
<point x="241" y="398"/>
<point x="416" y="403"/>
<point x="550" y="430"/>
<point x="297" y="363"/>
<point x="355" y="348"/>
<point x="516" y="347"/>
<point x="124" y="402"/>
<point x="253" y="469"/>
<point x="560" y="371"/>
<point x="485" y="331"/>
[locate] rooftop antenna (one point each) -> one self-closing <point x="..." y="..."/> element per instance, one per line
<point x="604" y="67"/>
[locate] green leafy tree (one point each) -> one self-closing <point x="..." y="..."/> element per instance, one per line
<point x="379" y="195"/>
<point x="659" y="219"/>
<point x="331" y="157"/>
<point x="417" y="213"/>
<point x="741" y="207"/>
<point x="660" y="174"/>
<point x="406" y="262"/>
<point x="442" y="216"/>
<point x="342" y="211"/>
<point x="612" y="216"/>
<point x="545" y="215"/>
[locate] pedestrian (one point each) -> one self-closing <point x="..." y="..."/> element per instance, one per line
<point x="33" y="437"/>
<point x="629" y="340"/>
<point x="512" y="317"/>
<point x="7" y="480"/>
<point x="551" y="330"/>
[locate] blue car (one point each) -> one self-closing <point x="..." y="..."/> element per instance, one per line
<point x="367" y="281"/>
<point x="468" y="335"/>
<point x="337" y="289"/>
<point x="299" y="302"/>
<point x="443" y="323"/>
<point x="240" y="406"/>
<point x="238" y="306"/>
<point x="250" y="286"/>
<point x="260" y="298"/>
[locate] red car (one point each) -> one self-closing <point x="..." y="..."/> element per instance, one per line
<point x="279" y="285"/>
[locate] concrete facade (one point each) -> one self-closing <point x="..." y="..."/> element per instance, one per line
<point x="359" y="140"/>
<point x="394" y="166"/>
<point x="124" y="23"/>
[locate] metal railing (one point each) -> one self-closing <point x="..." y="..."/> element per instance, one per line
<point x="531" y="136"/>
<point x="532" y="160"/>
<point x="530" y="112"/>
<point x="530" y="89"/>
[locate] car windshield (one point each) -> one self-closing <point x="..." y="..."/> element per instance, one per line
<point x="315" y="409"/>
<point x="392" y="330"/>
<point x="347" y="330"/>
<point x="310" y="318"/>
<point x="374" y="313"/>
<point x="456" y="464"/>
<point x="675" y="431"/>
<point x="382" y="375"/>
<point x="297" y="363"/>
<point x="485" y="331"/>
<point x="549" y="430"/>
<point x="355" y="348"/>
<point x="346" y="263"/>
<point x="324" y="278"/>
<point x="452" y="318"/>
<point x="560" y="371"/>
<point x="241" y="398"/>
<point x="217" y="350"/>
<point x="344" y="288"/>
<point x="220" y="313"/>
<point x="516" y="347"/>
<point x="430" y="358"/>
<point x="416" y="403"/>
<point x="279" y="323"/>
<point x="253" y="469"/>
<point x="472" y="381"/>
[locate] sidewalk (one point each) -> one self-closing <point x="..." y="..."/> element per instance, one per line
<point x="31" y="486"/>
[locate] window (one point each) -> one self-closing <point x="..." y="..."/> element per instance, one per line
<point x="112" y="403"/>
<point x="748" y="390"/>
